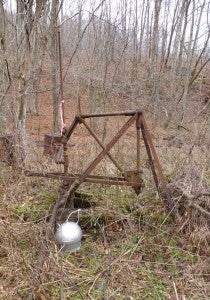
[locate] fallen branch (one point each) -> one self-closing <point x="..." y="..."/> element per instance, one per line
<point x="198" y="207"/>
<point x="190" y="199"/>
<point x="200" y="112"/>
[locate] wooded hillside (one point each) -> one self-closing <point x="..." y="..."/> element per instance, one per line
<point x="64" y="58"/>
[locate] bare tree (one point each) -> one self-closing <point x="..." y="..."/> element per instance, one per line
<point x="23" y="27"/>
<point x="192" y="43"/>
<point x="154" y="64"/>
<point x="53" y="57"/>
<point x="3" y="71"/>
<point x="38" y="40"/>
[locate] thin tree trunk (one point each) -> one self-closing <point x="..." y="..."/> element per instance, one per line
<point x="143" y="26"/>
<point x="3" y="118"/>
<point x="38" y="42"/>
<point x="134" y="71"/>
<point x="154" y="66"/>
<point x="53" y="56"/>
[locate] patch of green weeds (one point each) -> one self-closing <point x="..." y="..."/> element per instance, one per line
<point x="33" y="209"/>
<point x="24" y="292"/>
<point x="97" y="294"/>
<point x="169" y="178"/>
<point x="178" y="255"/>
<point x="155" y="289"/>
<point x="122" y="202"/>
<point x="54" y="291"/>
<point x="119" y="198"/>
<point x="160" y="218"/>
<point x="125" y="203"/>
<point x="192" y="258"/>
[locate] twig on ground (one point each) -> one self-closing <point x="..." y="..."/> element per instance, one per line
<point x="175" y="290"/>
<point x="190" y="199"/>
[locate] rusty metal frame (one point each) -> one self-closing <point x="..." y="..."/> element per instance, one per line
<point x="130" y="178"/>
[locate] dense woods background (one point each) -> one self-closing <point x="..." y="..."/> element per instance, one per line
<point x="116" y="55"/>
<point x="127" y="54"/>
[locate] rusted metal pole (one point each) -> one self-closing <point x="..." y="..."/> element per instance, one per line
<point x="110" y="114"/>
<point x="70" y="176"/>
<point x="149" y="154"/>
<point x="138" y="141"/>
<point x="152" y="148"/>
<point x="151" y="151"/>
<point x="108" y="180"/>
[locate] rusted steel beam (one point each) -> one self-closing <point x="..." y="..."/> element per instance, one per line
<point x="61" y="176"/>
<point x="152" y="148"/>
<point x="149" y="154"/>
<point x="138" y="141"/>
<point x="105" y="177"/>
<point x="110" y="114"/>
<point x="112" y="182"/>
<point x="151" y="151"/>
<point x="102" y="146"/>
<point x="90" y="178"/>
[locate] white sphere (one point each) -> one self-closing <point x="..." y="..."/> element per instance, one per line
<point x="69" y="235"/>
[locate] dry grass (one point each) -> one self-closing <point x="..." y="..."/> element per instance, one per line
<point x="152" y="256"/>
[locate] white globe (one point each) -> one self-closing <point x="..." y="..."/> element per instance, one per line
<point x="69" y="235"/>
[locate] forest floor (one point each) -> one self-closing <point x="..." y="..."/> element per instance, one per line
<point x="149" y="254"/>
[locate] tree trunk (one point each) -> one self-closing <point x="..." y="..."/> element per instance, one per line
<point x="53" y="56"/>
<point x="154" y="66"/>
<point x="38" y="41"/>
<point x="3" y="118"/>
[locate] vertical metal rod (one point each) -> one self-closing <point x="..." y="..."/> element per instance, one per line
<point x="138" y="142"/>
<point x="151" y="151"/>
<point x="152" y="148"/>
<point x="149" y="154"/>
